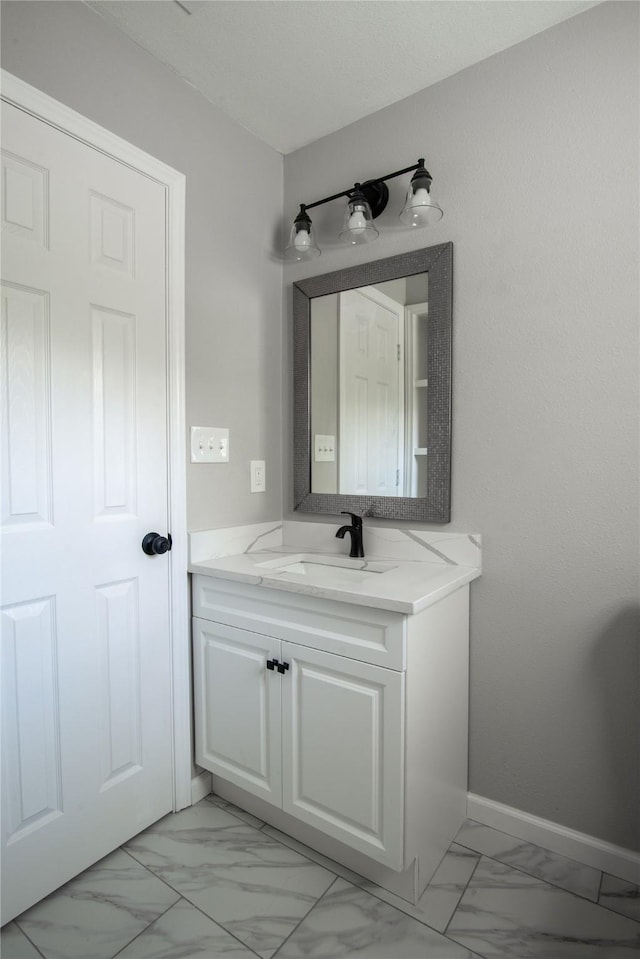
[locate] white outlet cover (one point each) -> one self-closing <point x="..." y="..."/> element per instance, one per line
<point x="258" y="476"/>
<point x="209" y="444"/>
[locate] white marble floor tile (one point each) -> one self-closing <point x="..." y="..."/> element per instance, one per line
<point x="254" y="886"/>
<point x="440" y="898"/>
<point x="15" y="945"/>
<point x="335" y="867"/>
<point x="348" y="921"/>
<point x="541" y="863"/>
<point x="235" y="810"/>
<point x="620" y="895"/>
<point x="506" y="914"/>
<point x="98" y="912"/>
<point x="183" y="932"/>
<point x="350" y="876"/>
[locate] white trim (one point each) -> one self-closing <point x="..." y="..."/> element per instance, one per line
<point x="200" y="787"/>
<point x="56" y="114"/>
<point x="412" y="366"/>
<point x="586" y="849"/>
<point x="176" y="419"/>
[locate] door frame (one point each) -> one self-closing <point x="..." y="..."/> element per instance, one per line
<point x="43" y="107"/>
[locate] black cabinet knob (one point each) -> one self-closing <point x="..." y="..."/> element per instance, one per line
<point x="154" y="544"/>
<point x="274" y="664"/>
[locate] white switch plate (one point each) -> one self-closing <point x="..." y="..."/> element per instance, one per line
<point x="209" y="444"/>
<point x="324" y="448"/>
<point x="258" y="476"/>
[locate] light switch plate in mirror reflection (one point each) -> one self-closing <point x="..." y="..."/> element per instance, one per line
<point x="324" y="448"/>
<point x="372" y="349"/>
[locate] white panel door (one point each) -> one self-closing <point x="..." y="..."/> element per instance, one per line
<point x="86" y="681"/>
<point x="237" y="707"/>
<point x="371" y="408"/>
<point x="343" y="750"/>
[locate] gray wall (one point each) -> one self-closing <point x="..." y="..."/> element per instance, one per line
<point x="534" y="154"/>
<point x="234" y="286"/>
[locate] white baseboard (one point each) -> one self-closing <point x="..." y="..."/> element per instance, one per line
<point x="200" y="787"/>
<point x="616" y="860"/>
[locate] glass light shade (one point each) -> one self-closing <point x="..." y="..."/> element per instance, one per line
<point x="302" y="242"/>
<point x="420" y="209"/>
<point x="358" y="226"/>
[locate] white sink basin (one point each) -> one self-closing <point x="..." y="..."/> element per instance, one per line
<point x="326" y="570"/>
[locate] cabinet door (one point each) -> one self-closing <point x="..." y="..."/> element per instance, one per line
<point x="343" y="750"/>
<point x="237" y="707"/>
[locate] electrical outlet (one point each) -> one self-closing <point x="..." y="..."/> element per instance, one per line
<point x="258" y="476"/>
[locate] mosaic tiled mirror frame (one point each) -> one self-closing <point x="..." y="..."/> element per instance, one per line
<point x="436" y="506"/>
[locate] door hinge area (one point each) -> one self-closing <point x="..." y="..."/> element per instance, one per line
<point x="398" y="345"/>
<point x="397" y="477"/>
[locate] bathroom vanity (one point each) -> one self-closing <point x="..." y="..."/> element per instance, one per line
<point x="331" y="694"/>
<point x="331" y="701"/>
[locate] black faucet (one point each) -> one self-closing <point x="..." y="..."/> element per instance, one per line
<point x="356" y="534"/>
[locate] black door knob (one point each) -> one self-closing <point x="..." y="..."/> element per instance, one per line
<point x="154" y="543"/>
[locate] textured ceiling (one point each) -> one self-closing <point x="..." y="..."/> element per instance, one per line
<point x="292" y="71"/>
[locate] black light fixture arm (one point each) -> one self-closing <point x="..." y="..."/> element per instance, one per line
<point x="357" y="187"/>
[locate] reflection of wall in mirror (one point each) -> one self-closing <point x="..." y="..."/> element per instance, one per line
<point x="324" y="388"/>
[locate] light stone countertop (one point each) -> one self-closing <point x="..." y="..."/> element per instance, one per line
<point x="382" y="582"/>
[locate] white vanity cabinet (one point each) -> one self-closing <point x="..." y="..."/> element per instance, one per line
<point x="318" y="739"/>
<point x="344" y="725"/>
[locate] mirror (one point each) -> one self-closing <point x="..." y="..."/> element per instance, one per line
<point x="372" y="382"/>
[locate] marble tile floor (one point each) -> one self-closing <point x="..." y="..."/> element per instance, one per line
<point x="214" y="882"/>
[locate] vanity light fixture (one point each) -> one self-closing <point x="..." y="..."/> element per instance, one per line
<point x="366" y="201"/>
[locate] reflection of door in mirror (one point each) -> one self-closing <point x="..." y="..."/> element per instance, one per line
<point x="371" y="431"/>
<point x="368" y="363"/>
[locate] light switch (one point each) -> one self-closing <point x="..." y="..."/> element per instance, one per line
<point x="324" y="448"/>
<point x="209" y="444"/>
